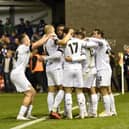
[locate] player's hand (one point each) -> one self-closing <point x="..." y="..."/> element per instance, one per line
<point x="68" y="59"/>
<point x="71" y="31"/>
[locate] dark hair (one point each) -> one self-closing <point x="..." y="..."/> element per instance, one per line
<point x="21" y="19"/>
<point x="80" y="33"/>
<point x="99" y="32"/>
<point x="20" y="37"/>
<point x="60" y="25"/>
<point x="66" y="30"/>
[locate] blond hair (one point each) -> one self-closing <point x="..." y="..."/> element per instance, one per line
<point x="49" y="29"/>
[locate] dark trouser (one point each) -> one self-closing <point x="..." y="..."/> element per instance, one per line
<point x="115" y="83"/>
<point x="9" y="87"/>
<point x="39" y="78"/>
<point x="119" y="81"/>
<point x="127" y="80"/>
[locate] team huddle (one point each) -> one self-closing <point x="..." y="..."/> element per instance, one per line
<point x="73" y="63"/>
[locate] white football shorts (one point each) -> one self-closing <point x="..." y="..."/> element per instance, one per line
<point x="89" y="78"/>
<point x="72" y="78"/>
<point x="104" y="78"/>
<point x="54" y="77"/>
<point x="20" y="81"/>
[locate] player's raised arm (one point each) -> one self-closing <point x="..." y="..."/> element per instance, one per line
<point x="93" y="42"/>
<point x="68" y="35"/>
<point x="41" y="41"/>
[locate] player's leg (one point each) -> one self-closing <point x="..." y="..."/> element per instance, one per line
<point x="27" y="101"/>
<point x="94" y="101"/>
<point x="91" y="86"/>
<point x="81" y="102"/>
<point x="58" y="77"/>
<point x="30" y="107"/>
<point x="23" y="85"/>
<point x="57" y="81"/>
<point x="88" y="82"/>
<point x="87" y="101"/>
<point x="79" y="86"/>
<point x="68" y="86"/>
<point x="112" y="102"/>
<point x="68" y="102"/>
<point x="51" y="101"/>
<point x="51" y="90"/>
<point x="106" y="101"/>
<point x="103" y="81"/>
<point x="87" y="96"/>
<point x="50" y="97"/>
<point x="58" y="98"/>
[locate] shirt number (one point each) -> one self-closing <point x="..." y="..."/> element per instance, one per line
<point x="73" y="47"/>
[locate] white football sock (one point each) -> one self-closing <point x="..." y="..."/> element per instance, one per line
<point x="23" y="110"/>
<point x="94" y="101"/>
<point x="29" y="110"/>
<point x="106" y="101"/>
<point x="112" y="103"/>
<point x="58" y="99"/>
<point x="81" y="103"/>
<point x="68" y="104"/>
<point x="50" y="101"/>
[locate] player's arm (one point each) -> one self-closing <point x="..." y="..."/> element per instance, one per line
<point x="75" y="58"/>
<point x="93" y="42"/>
<point x="89" y="44"/>
<point x="40" y="41"/>
<point x="66" y="38"/>
<point x="95" y="39"/>
<point x="79" y="58"/>
<point x="56" y="55"/>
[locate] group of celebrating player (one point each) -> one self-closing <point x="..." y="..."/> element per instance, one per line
<point x="73" y="62"/>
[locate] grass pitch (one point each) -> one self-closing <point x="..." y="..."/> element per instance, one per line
<point x="10" y="104"/>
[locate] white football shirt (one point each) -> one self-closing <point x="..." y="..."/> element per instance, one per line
<point x="22" y="56"/>
<point x="102" y="56"/>
<point x="54" y="55"/>
<point x="74" y="49"/>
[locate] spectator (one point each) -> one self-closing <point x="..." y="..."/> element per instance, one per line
<point x="28" y="29"/>
<point x="35" y="36"/>
<point x="40" y="27"/>
<point x="126" y="65"/>
<point x="118" y="68"/>
<point x="4" y="50"/>
<point x="21" y="27"/>
<point x="114" y="81"/>
<point x="1" y="28"/>
<point x="8" y="27"/>
<point x="7" y="67"/>
<point x="5" y="39"/>
<point x="37" y="69"/>
<point x="1" y="58"/>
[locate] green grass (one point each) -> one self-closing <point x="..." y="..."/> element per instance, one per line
<point x="10" y="103"/>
